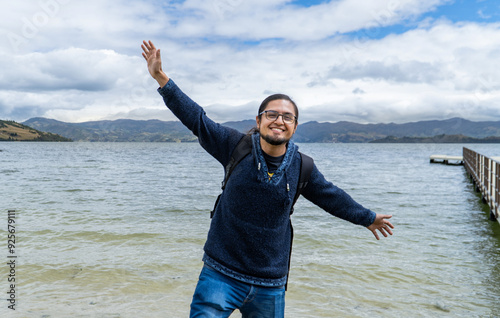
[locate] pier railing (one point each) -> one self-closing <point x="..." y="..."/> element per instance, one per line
<point x="485" y="173"/>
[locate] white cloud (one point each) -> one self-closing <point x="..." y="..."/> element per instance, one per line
<point x="73" y="80"/>
<point x="71" y="68"/>
<point x="84" y="62"/>
<point x="257" y="20"/>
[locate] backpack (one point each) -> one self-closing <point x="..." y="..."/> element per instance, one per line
<point x="243" y="148"/>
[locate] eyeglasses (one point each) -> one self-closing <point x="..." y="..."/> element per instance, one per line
<point x="273" y="115"/>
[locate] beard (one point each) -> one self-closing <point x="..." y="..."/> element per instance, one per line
<point x="274" y="141"/>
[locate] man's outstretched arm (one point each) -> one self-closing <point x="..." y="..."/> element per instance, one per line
<point x="216" y="139"/>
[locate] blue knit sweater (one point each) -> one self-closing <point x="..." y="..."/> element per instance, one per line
<point x="250" y="233"/>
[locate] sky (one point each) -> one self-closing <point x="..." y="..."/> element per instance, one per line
<point x="376" y="61"/>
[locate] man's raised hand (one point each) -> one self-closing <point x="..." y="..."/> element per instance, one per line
<point x="152" y="55"/>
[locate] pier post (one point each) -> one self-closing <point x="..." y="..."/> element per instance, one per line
<point x="485" y="175"/>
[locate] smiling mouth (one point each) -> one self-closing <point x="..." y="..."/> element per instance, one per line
<point x="276" y="136"/>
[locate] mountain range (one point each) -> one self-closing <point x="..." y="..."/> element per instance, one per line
<point x="343" y="132"/>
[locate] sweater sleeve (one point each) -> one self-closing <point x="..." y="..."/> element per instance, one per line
<point x="216" y="139"/>
<point x="336" y="201"/>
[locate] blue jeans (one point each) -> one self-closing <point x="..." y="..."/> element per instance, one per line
<point x="218" y="295"/>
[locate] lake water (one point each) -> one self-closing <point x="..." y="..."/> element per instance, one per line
<point x="117" y="230"/>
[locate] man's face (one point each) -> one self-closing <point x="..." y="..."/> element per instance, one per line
<point x="277" y="132"/>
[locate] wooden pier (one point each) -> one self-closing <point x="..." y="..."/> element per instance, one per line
<point x="485" y="174"/>
<point x="447" y="160"/>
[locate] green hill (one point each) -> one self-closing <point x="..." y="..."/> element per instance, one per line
<point x="12" y="131"/>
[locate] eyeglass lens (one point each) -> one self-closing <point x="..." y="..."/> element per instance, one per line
<point x="272" y="115"/>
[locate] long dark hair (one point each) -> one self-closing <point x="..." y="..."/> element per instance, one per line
<point x="269" y="99"/>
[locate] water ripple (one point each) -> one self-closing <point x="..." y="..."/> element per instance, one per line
<point x="117" y="230"/>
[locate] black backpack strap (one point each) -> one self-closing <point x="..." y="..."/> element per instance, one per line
<point x="306" y="167"/>
<point x="242" y="149"/>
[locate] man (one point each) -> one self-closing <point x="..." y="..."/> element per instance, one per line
<point x="247" y="251"/>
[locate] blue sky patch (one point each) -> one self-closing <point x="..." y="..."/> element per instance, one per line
<point x="307" y="3"/>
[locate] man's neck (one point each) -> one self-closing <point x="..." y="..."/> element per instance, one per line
<point x="272" y="150"/>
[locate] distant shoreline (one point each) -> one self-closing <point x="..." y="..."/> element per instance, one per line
<point x="455" y="130"/>
<point x="449" y="139"/>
